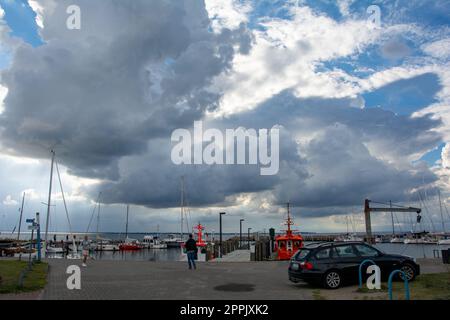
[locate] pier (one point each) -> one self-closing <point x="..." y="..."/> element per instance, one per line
<point x="172" y="280"/>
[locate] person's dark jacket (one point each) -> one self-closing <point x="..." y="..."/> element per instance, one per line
<point x="190" y="245"/>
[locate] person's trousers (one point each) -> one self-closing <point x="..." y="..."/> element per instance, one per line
<point x="191" y="259"/>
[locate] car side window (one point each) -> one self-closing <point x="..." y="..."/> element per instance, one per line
<point x="345" y="251"/>
<point x="366" y="251"/>
<point x="323" y="254"/>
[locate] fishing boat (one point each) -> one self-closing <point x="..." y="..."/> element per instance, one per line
<point x="200" y="242"/>
<point x="153" y="242"/>
<point x="288" y="244"/>
<point x="129" y="244"/>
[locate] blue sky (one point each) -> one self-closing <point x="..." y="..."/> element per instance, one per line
<point x="324" y="55"/>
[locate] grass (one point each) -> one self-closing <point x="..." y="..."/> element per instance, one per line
<point x="434" y="286"/>
<point x="35" y="279"/>
<point x="316" y="294"/>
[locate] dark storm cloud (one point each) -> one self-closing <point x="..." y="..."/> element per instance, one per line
<point x="108" y="96"/>
<point x="85" y="92"/>
<point x="333" y="168"/>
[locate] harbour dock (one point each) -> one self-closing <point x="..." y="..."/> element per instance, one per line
<point x="172" y="280"/>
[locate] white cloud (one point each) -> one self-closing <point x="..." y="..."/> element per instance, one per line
<point x="439" y="49"/>
<point x="39" y="10"/>
<point x="9" y="201"/>
<point x="286" y="55"/>
<point x="3" y="93"/>
<point x="227" y="13"/>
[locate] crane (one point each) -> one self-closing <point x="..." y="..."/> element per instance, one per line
<point x="368" y="210"/>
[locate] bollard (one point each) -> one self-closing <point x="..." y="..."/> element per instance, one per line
<point x="405" y="281"/>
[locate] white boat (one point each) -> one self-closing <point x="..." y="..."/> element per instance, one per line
<point x="419" y="241"/>
<point x="105" y="245"/>
<point x="152" y="242"/>
<point x="444" y="241"/>
<point x="397" y="240"/>
<point x="55" y="250"/>
<point x="173" y="242"/>
<point x="348" y="238"/>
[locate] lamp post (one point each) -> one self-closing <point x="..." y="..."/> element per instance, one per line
<point x="240" y="233"/>
<point x="248" y="237"/>
<point x="220" y="238"/>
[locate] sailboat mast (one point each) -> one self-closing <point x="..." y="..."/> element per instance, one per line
<point x="182" y="207"/>
<point x="49" y="200"/>
<point x="440" y="208"/>
<point x="126" y="226"/>
<point x="20" y="219"/>
<point x="98" y="218"/>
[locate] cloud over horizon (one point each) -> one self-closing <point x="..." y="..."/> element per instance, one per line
<point x="357" y="108"/>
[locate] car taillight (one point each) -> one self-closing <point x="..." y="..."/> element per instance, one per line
<point x="306" y="265"/>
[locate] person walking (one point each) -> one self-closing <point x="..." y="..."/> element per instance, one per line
<point x="85" y="246"/>
<point x="191" y="250"/>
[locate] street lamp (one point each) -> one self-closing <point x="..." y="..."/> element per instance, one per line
<point x="240" y="233"/>
<point x="248" y="237"/>
<point x="220" y="225"/>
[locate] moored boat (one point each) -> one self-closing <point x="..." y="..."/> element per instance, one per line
<point x="288" y="244"/>
<point x="153" y="242"/>
<point x="130" y="245"/>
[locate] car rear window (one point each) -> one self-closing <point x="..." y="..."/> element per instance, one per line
<point x="301" y="254"/>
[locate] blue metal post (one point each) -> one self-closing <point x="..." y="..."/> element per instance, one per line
<point x="360" y="267"/>
<point x="405" y="281"/>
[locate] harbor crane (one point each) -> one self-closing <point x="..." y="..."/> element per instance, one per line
<point x="368" y="210"/>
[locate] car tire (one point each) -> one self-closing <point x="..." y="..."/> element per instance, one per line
<point x="332" y="279"/>
<point x="409" y="270"/>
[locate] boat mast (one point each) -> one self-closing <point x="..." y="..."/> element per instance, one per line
<point x="182" y="207"/>
<point x="289" y="221"/>
<point x="126" y="226"/>
<point x="49" y="200"/>
<point x="98" y="219"/>
<point x="440" y="208"/>
<point x="20" y="219"/>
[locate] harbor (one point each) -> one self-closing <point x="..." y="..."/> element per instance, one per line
<point x="127" y="280"/>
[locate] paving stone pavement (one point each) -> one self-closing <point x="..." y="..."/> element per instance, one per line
<point x="138" y="280"/>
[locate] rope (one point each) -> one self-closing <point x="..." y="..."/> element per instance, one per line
<point x="93" y="212"/>
<point x="64" y="198"/>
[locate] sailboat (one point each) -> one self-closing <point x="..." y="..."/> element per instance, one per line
<point x="172" y="241"/>
<point x="48" y="249"/>
<point x="445" y="240"/>
<point x="129" y="244"/>
<point x="102" y="244"/>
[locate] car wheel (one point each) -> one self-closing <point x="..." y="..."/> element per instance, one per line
<point x="332" y="279"/>
<point x="409" y="271"/>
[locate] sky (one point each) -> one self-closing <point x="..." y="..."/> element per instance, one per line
<point x="362" y="102"/>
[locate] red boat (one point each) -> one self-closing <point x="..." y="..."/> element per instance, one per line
<point x="288" y="244"/>
<point x="130" y="244"/>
